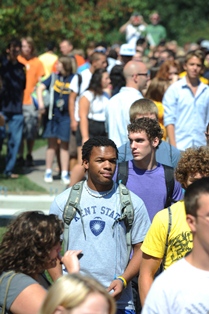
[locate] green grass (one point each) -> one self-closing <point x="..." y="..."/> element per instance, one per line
<point x="19" y="186"/>
<point x="2" y="230"/>
<point x="22" y="184"/>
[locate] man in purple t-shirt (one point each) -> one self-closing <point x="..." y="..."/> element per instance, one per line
<point x="146" y="177"/>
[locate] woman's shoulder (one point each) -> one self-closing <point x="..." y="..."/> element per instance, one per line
<point x="88" y="94"/>
<point x="16" y="283"/>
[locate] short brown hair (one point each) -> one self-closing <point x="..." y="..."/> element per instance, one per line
<point x="195" y="53"/>
<point x="193" y="193"/>
<point x="142" y="106"/>
<point x="150" y="126"/>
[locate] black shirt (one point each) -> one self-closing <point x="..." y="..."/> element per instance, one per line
<point x="13" y="80"/>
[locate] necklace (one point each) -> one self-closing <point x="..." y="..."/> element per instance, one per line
<point x="99" y="195"/>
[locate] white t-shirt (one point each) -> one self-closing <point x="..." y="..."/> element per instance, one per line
<point x="180" y="289"/>
<point x="133" y="33"/>
<point x="86" y="77"/>
<point x="98" y="105"/>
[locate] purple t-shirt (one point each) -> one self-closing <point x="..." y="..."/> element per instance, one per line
<point x="150" y="186"/>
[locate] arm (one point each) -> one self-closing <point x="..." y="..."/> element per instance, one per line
<point x="122" y="29"/>
<point x="39" y="92"/>
<point x="29" y="300"/>
<point x="84" y="105"/>
<point x="148" y="268"/>
<point x="71" y="108"/>
<point x="171" y="134"/>
<point x="131" y="270"/>
<point x="71" y="262"/>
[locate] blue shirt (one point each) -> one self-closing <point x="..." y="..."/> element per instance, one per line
<point x="166" y="154"/>
<point x="117" y="114"/>
<point x="189" y="113"/>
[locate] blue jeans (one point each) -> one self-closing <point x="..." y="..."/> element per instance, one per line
<point x="15" y="129"/>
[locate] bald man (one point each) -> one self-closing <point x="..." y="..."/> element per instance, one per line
<point x="117" y="113"/>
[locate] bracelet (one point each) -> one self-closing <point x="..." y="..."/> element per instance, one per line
<point x="123" y="281"/>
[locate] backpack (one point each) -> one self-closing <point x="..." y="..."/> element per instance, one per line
<point x="122" y="176"/>
<point x="72" y="207"/>
<point x="47" y="94"/>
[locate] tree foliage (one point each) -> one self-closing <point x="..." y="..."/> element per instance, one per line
<point x="82" y="21"/>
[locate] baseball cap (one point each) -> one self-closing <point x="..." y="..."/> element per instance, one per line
<point x="205" y="44"/>
<point x="127" y="50"/>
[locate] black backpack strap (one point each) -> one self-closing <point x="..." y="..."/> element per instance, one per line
<point x="79" y="83"/>
<point x="170" y="182"/>
<point x="167" y="237"/>
<point x="70" y="209"/>
<point x="122" y="175"/>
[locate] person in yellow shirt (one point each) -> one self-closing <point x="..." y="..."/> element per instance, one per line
<point x="169" y="237"/>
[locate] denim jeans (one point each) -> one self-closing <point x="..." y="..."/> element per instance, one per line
<point x="14" y="128"/>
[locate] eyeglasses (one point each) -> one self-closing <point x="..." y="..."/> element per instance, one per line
<point x="204" y="217"/>
<point x="143" y="74"/>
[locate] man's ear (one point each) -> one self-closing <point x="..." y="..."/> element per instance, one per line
<point x="60" y="310"/>
<point x="86" y="164"/>
<point x="191" y="220"/>
<point x="155" y="142"/>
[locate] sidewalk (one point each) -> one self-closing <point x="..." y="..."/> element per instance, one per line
<point x="36" y="174"/>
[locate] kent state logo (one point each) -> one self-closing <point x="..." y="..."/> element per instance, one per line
<point x="97" y="226"/>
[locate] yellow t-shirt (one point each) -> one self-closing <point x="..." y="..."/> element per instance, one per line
<point x="202" y="79"/>
<point x="180" y="238"/>
<point x="160" y="117"/>
<point x="48" y="60"/>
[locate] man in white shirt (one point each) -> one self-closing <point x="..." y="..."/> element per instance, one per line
<point x="134" y="29"/>
<point x="117" y="115"/>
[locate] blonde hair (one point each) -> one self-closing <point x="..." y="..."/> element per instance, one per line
<point x="71" y="290"/>
<point x="142" y="107"/>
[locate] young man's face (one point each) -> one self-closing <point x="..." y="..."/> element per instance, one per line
<point x="101" y="167"/>
<point x="100" y="63"/>
<point x="26" y="48"/>
<point x="200" y="225"/>
<point x="141" y="147"/>
<point x="65" y="47"/>
<point x="193" y="67"/>
<point x="13" y="52"/>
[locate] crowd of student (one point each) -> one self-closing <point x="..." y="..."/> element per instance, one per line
<point x="133" y="121"/>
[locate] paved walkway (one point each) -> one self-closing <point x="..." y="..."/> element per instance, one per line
<point x="36" y="174"/>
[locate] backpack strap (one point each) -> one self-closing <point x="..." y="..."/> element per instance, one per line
<point x="11" y="274"/>
<point x="127" y="214"/>
<point x="122" y="175"/>
<point x="79" y="83"/>
<point x="170" y="182"/>
<point x="71" y="207"/>
<point x="167" y="237"/>
<point x="51" y="95"/>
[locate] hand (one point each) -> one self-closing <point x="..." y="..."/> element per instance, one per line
<point x="70" y="260"/>
<point x="74" y="125"/>
<point x="117" y="286"/>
